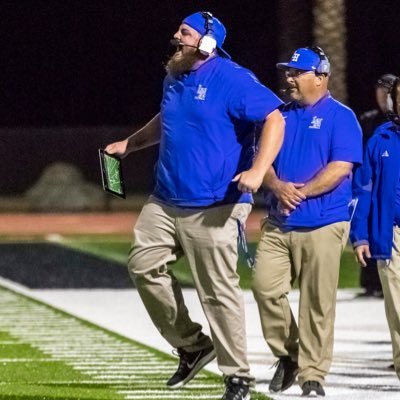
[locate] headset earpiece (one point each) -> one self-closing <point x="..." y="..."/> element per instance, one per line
<point x="324" y="66"/>
<point x="207" y="43"/>
<point x="392" y="103"/>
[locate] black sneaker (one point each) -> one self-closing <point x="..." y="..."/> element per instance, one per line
<point x="285" y="375"/>
<point x="236" y="389"/>
<point x="189" y="365"/>
<point x="311" y="387"/>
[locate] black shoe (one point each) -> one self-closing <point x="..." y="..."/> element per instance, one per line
<point x="189" y="365"/>
<point x="236" y="389"/>
<point x="311" y="387"/>
<point x="285" y="375"/>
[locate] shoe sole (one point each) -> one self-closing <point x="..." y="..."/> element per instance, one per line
<point x="204" y="361"/>
<point x="313" y="394"/>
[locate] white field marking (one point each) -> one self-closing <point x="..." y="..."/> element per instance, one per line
<point x="25" y="360"/>
<point x="101" y="362"/>
<point x="96" y="354"/>
<point x="116" y="368"/>
<point x="164" y="395"/>
<point x="122" y="377"/>
<point x="213" y="387"/>
<point x="7" y="342"/>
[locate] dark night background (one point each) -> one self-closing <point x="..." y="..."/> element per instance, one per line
<point x="99" y="63"/>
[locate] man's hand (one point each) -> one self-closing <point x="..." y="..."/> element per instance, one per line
<point x="361" y="252"/>
<point x="282" y="210"/>
<point x="118" y="148"/>
<point x="288" y="194"/>
<point x="248" y="181"/>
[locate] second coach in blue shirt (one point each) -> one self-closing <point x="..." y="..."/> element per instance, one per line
<point x="307" y="224"/>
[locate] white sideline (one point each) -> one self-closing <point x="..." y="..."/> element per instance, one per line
<point x="362" y="343"/>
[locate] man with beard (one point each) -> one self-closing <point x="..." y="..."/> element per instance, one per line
<point x="206" y="174"/>
<point x="307" y="225"/>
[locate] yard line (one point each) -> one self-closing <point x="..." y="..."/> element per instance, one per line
<point x="133" y="372"/>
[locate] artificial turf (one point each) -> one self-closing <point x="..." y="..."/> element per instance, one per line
<point x="48" y="354"/>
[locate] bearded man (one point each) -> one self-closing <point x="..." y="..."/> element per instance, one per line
<point x="206" y="174"/>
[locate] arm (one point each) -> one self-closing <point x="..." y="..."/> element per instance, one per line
<point x="327" y="179"/>
<point x="270" y="143"/>
<point x="362" y="190"/>
<point x="147" y="136"/>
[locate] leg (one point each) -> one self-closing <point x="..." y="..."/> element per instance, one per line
<point x="390" y="278"/>
<point x="154" y="247"/>
<point x="271" y="283"/>
<point x="209" y="238"/>
<point x="318" y="251"/>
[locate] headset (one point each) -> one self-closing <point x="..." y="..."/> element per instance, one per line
<point x="207" y="43"/>
<point x="392" y="103"/>
<point x="324" y="66"/>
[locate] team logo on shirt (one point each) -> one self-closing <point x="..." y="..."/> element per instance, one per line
<point x="316" y="123"/>
<point x="201" y="93"/>
<point x="385" y="154"/>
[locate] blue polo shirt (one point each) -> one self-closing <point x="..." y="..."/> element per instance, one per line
<point x="208" y="123"/>
<point x="314" y="136"/>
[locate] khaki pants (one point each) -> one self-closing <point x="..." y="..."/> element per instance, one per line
<point x="389" y="273"/>
<point x="208" y="237"/>
<point x="313" y="256"/>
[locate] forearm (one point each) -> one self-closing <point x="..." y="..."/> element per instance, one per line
<point x="147" y="136"/>
<point x="271" y="181"/>
<point x="327" y="179"/>
<point x="270" y="142"/>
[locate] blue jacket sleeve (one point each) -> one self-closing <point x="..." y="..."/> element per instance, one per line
<point x="362" y="191"/>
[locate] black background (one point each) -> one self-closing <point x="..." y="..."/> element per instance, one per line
<point x="100" y="63"/>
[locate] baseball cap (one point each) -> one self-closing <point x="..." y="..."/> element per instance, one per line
<point x="198" y="22"/>
<point x="304" y="59"/>
<point x="386" y="81"/>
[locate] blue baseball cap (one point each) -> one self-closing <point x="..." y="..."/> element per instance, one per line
<point x="303" y="59"/>
<point x="198" y="21"/>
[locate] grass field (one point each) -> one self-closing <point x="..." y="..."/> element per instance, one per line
<point x="48" y="354"/>
<point x="116" y="247"/>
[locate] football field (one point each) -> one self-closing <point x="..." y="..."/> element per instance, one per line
<point x="47" y="354"/>
<point x="73" y="327"/>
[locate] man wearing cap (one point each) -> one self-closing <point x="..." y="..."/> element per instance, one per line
<point x="206" y="174"/>
<point x="370" y="120"/>
<point x="307" y="224"/>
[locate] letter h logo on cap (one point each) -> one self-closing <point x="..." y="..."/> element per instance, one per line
<point x="295" y="56"/>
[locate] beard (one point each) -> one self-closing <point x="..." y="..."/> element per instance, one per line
<point x="181" y="62"/>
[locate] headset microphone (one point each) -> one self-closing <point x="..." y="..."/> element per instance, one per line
<point x="286" y="89"/>
<point x="177" y="43"/>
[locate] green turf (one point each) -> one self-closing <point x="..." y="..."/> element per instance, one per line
<point x="117" y="247"/>
<point x="48" y="354"/>
<point x="28" y="373"/>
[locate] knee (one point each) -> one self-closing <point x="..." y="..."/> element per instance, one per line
<point x="266" y="290"/>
